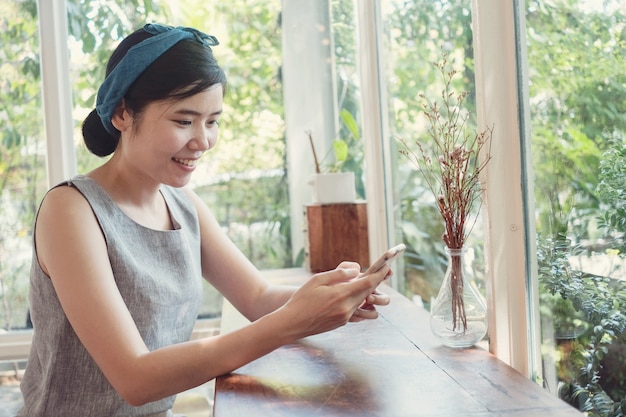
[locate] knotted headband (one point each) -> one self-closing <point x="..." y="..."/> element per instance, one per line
<point x="137" y="59"/>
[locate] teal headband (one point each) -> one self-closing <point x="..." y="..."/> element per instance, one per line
<point x="136" y="60"/>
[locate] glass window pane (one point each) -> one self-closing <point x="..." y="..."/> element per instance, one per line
<point x="22" y="155"/>
<point x="243" y="179"/>
<point x="344" y="33"/>
<point x="418" y="33"/>
<point x="577" y="98"/>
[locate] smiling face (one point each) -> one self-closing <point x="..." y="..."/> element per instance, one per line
<point x="165" y="143"/>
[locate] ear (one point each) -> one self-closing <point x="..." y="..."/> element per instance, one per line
<point x="121" y="119"/>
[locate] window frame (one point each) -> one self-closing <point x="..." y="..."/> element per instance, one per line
<point x="57" y="90"/>
<point x="502" y="99"/>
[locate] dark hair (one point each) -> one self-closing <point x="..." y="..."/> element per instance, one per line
<point x="187" y="68"/>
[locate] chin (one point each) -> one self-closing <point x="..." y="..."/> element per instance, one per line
<point x="178" y="182"/>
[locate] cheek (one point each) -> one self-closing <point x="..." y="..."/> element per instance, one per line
<point x="163" y="138"/>
<point x="213" y="141"/>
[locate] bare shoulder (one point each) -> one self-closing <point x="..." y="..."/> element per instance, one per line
<point x="65" y="207"/>
<point x="65" y="223"/>
<point x="63" y="198"/>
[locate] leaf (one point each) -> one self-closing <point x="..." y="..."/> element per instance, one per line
<point x="89" y="43"/>
<point x="351" y="124"/>
<point x="341" y="150"/>
<point x="11" y="138"/>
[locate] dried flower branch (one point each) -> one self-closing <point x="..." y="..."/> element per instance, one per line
<point x="317" y="164"/>
<point x="451" y="167"/>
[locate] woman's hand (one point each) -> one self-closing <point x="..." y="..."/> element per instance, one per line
<point x="367" y="310"/>
<point x="331" y="299"/>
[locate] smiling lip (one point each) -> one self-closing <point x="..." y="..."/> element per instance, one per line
<point x="191" y="163"/>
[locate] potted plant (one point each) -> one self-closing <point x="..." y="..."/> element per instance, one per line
<point x="330" y="183"/>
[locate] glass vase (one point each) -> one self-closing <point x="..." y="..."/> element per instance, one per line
<point x="458" y="315"/>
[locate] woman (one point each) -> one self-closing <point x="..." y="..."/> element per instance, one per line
<point x="115" y="281"/>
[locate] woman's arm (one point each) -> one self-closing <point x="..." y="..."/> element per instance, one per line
<point x="231" y="273"/>
<point x="237" y="279"/>
<point x="72" y="251"/>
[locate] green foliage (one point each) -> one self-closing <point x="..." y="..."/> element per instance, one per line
<point x="22" y="176"/>
<point x="589" y="308"/>
<point x="577" y="95"/>
<point x="612" y="193"/>
<point x="575" y="55"/>
<point x="567" y="169"/>
<point x="252" y="152"/>
<point x="341" y="150"/>
<point x="419" y="29"/>
<point x="347" y="149"/>
<point x="596" y="304"/>
<point x="577" y="91"/>
<point x="341" y="146"/>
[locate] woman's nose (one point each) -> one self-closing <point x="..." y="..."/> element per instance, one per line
<point x="205" y="139"/>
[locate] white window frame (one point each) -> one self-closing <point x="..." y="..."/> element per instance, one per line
<point x="376" y="131"/>
<point x="57" y="90"/>
<point x="502" y="100"/>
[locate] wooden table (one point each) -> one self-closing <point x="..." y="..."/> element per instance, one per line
<point x="389" y="367"/>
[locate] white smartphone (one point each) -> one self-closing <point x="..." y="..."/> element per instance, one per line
<point x="387" y="257"/>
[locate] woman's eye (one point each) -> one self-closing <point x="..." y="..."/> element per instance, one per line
<point x="213" y="123"/>
<point x="183" y="122"/>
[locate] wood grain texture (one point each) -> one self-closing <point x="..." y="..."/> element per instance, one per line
<point x="389" y="367"/>
<point x="336" y="233"/>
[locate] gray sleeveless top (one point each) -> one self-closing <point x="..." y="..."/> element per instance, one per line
<point x="158" y="274"/>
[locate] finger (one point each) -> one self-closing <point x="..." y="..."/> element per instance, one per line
<point x="364" y="313"/>
<point x="349" y="265"/>
<point x="367" y="306"/>
<point x="362" y="287"/>
<point x="378" y="277"/>
<point x="336" y="276"/>
<point x="378" y="298"/>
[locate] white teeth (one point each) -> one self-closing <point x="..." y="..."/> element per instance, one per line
<point x="186" y="162"/>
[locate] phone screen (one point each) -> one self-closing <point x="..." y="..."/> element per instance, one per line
<point x="387" y="257"/>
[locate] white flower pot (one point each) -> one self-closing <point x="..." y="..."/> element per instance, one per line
<point x="335" y="187"/>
